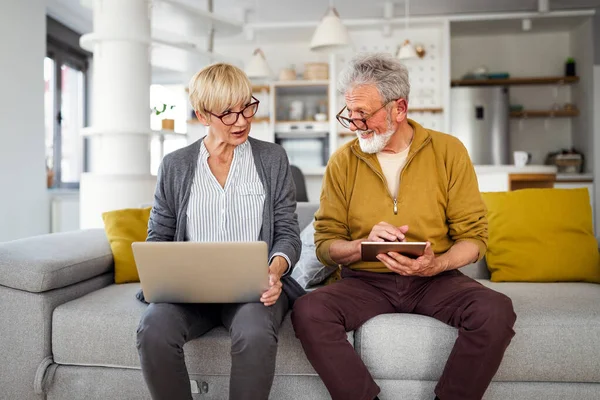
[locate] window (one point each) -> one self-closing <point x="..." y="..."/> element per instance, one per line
<point x="65" y="78"/>
<point x="166" y="141"/>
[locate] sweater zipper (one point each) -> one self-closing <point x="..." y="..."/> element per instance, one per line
<point x="413" y="156"/>
<point x="395" y="199"/>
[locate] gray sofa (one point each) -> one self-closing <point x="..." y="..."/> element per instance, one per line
<point x="67" y="332"/>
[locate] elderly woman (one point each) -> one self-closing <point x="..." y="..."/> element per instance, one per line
<point x="253" y="181"/>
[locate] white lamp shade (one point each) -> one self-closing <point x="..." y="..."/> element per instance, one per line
<point x="257" y="67"/>
<point x="407" y="51"/>
<point x="331" y="35"/>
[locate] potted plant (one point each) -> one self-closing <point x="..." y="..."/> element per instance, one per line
<point x="570" y="67"/>
<point x="167" y="123"/>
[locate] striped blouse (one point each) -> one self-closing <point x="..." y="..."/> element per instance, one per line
<point x="227" y="214"/>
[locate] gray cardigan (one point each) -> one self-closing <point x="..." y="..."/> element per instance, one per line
<point x="280" y="230"/>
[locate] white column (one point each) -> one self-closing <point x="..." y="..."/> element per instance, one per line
<point x="120" y="132"/>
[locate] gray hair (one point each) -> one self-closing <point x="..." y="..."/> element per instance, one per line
<point x="386" y="72"/>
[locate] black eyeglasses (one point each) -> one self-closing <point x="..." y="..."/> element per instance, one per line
<point x="231" y="117"/>
<point x="359" y="123"/>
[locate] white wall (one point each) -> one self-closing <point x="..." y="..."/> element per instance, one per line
<point x="597" y="144"/>
<point x="583" y="93"/>
<point x="428" y="75"/>
<point x="523" y="54"/>
<point x="24" y="209"/>
<point x="596" y="104"/>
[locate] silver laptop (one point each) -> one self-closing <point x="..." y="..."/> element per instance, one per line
<point x="195" y="272"/>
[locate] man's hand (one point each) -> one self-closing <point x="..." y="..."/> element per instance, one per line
<point x="383" y="232"/>
<point x="276" y="270"/>
<point x="425" y="265"/>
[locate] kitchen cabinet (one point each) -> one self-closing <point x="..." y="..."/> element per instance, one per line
<point x="531" y="181"/>
<point x="301" y="123"/>
<point x="503" y="178"/>
<point x="504" y="182"/>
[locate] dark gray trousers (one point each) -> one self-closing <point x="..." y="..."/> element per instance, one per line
<point x="165" y="328"/>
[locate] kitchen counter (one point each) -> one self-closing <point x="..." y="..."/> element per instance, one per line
<point x="575" y="177"/>
<point x="493" y="169"/>
<point x="313" y="171"/>
<point x="512" y="169"/>
<point x="63" y="192"/>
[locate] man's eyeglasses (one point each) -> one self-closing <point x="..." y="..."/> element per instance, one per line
<point x="359" y="123"/>
<point x="231" y="117"/>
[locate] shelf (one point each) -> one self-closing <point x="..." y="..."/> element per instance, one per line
<point x="426" y="110"/>
<point x="170" y="40"/>
<point x="549" y="80"/>
<point x="164" y="132"/>
<point x="178" y="15"/>
<point x="301" y="83"/>
<point x="260" y="88"/>
<point x="544" y="114"/>
<point x="301" y="135"/>
<point x="313" y="122"/>
<point x="311" y="89"/>
<point x="95" y="131"/>
<point x="255" y="119"/>
<point x="89" y="40"/>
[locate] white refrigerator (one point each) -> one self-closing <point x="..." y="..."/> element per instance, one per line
<point x="479" y="118"/>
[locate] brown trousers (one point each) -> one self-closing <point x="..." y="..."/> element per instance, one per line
<point x="484" y="319"/>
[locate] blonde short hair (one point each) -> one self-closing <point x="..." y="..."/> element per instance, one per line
<point x="218" y="87"/>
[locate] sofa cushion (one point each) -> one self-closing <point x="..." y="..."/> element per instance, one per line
<point x="306" y="213"/>
<point x="557" y="331"/>
<point x="100" y="329"/>
<point x="309" y="271"/>
<point x="477" y="270"/>
<point x="123" y="227"/>
<point x="541" y="235"/>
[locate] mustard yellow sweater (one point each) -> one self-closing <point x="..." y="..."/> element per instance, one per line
<point x="438" y="198"/>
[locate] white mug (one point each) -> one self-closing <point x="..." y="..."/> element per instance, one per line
<point x="521" y="158"/>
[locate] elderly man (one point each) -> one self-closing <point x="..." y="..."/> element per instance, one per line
<point x="399" y="181"/>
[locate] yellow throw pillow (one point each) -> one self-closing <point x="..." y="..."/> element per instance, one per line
<point x="124" y="227"/>
<point x="541" y="235"/>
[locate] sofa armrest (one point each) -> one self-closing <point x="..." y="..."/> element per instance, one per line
<point x="26" y="335"/>
<point x="42" y="263"/>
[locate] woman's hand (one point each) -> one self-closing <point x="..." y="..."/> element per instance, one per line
<point x="276" y="270"/>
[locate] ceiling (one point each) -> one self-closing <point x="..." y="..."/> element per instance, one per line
<point x="312" y="10"/>
<point x="511" y="26"/>
<point x="168" y="63"/>
<point x="79" y="18"/>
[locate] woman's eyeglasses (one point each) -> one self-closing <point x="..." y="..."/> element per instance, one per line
<point x="231" y="117"/>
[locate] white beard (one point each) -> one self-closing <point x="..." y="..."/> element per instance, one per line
<point x="376" y="142"/>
